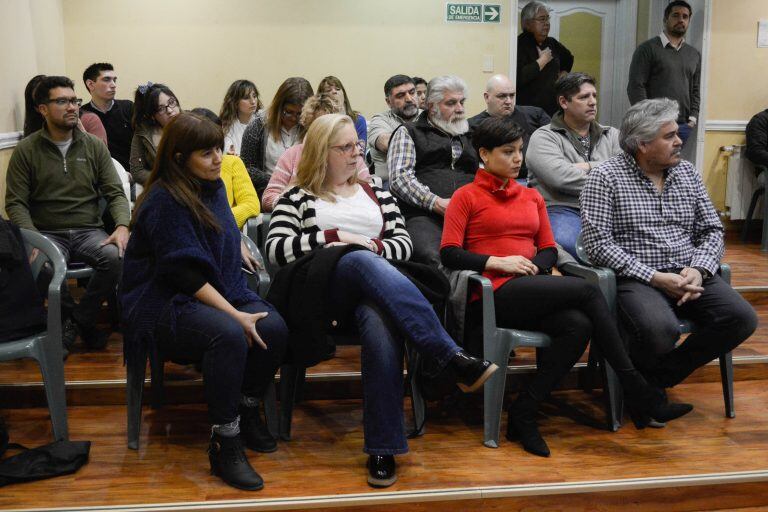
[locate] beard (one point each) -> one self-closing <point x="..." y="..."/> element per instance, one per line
<point x="677" y="31"/>
<point x="408" y="111"/>
<point x="458" y="126"/>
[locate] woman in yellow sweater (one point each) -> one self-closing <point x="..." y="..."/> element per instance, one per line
<point x="240" y="192"/>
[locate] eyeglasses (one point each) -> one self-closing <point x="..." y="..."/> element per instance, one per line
<point x="63" y="102"/>
<point x="171" y="105"/>
<point x="542" y="19"/>
<point x="288" y="113"/>
<point x="350" y="148"/>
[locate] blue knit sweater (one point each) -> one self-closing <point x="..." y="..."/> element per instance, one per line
<point x="165" y="234"/>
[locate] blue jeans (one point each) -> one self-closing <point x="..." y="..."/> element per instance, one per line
<point x="230" y="368"/>
<point x="387" y="308"/>
<point x="566" y="226"/>
<point x="683" y="131"/>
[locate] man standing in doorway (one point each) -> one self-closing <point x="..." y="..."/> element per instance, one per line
<point x="667" y="67"/>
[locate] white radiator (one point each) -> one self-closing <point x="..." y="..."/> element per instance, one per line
<point x="740" y="184"/>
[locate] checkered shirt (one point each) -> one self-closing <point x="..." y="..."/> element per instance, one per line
<point x="401" y="164"/>
<point x="629" y="226"/>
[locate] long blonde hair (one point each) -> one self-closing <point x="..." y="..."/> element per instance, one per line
<point x="312" y="170"/>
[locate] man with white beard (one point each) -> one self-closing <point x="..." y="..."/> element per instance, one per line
<point x="428" y="160"/>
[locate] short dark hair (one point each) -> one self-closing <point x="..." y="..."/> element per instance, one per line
<point x="93" y="71"/>
<point x="208" y="114"/>
<point x="417" y="80"/>
<point x="677" y="3"/>
<point x="494" y="132"/>
<point x="396" y="81"/>
<point x="41" y="94"/>
<point x="569" y="85"/>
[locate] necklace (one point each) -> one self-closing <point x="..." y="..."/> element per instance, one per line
<point x="291" y="139"/>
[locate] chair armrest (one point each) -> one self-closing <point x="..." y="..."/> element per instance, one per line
<point x="725" y="272"/>
<point x="489" y="308"/>
<point x="53" y="254"/>
<point x="603" y="278"/>
<point x="251" y="227"/>
<point x="261" y="277"/>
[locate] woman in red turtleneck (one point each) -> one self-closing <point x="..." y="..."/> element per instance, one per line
<point x="500" y="228"/>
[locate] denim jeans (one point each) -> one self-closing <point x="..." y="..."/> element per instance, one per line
<point x="387" y="308"/>
<point x="84" y="246"/>
<point x="566" y="226"/>
<point x="683" y="131"/>
<point x="230" y="368"/>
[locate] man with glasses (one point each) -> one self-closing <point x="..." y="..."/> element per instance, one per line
<point x="541" y="59"/>
<point x="101" y="81"/>
<point x="428" y="160"/>
<point x="55" y="180"/>
<point x="666" y="67"/>
<point x="400" y="95"/>
<point x="500" y="99"/>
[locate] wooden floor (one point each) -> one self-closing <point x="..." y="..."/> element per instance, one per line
<point x="448" y="463"/>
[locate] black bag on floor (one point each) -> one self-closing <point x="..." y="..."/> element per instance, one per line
<point x="55" y="459"/>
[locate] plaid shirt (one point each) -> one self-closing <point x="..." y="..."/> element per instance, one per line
<point x="401" y="163"/>
<point x="629" y="226"/>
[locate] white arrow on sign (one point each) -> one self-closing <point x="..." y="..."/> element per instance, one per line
<point x="494" y="13"/>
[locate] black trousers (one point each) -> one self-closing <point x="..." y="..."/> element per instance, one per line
<point x="571" y="311"/>
<point x="723" y="319"/>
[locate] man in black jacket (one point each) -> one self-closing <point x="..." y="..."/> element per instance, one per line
<point x="757" y="139"/>
<point x="101" y="81"/>
<point x="541" y="59"/>
<point x="428" y="160"/>
<point x="499" y="99"/>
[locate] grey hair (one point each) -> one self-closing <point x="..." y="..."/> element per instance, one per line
<point x="530" y="10"/>
<point x="437" y="87"/>
<point x="643" y="121"/>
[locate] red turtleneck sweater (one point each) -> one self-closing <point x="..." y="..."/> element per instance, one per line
<point x="488" y="218"/>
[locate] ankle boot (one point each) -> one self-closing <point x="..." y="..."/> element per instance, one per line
<point x="254" y="431"/>
<point x="647" y="403"/>
<point x="228" y="462"/>
<point x="470" y="372"/>
<point x="381" y="470"/>
<point x="522" y="426"/>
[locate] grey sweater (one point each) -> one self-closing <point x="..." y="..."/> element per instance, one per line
<point x="659" y="72"/>
<point x="552" y="152"/>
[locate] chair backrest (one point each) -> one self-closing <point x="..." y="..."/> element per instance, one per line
<point x="581" y="251"/>
<point x="259" y="281"/>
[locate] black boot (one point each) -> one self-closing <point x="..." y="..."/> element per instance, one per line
<point x="254" y="431"/>
<point x="68" y="336"/>
<point x="470" y="372"/>
<point x="522" y="426"/>
<point x="228" y="462"/>
<point x="647" y="403"/>
<point x="381" y="470"/>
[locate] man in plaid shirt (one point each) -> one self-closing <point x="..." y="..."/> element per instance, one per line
<point x="646" y="214"/>
<point x="428" y="160"/>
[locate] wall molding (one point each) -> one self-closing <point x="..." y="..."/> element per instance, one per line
<point x="728" y="125"/>
<point x="9" y="139"/>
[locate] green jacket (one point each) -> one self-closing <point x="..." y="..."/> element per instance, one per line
<point x="47" y="192"/>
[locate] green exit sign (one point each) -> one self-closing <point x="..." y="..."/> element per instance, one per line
<point x="472" y="13"/>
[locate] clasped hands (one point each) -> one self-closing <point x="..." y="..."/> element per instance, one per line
<point x="685" y="286"/>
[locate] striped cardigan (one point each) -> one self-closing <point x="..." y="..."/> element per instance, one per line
<point x="293" y="230"/>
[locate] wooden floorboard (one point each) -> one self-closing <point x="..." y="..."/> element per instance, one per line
<point x="325" y="457"/>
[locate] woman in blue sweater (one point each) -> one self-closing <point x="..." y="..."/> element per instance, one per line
<point x="183" y="291"/>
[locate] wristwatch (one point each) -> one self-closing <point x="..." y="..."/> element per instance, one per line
<point x="705" y="274"/>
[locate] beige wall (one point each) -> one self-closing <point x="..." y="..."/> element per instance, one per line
<point x="199" y="47"/>
<point x="737" y="81"/>
<point x="32" y="39"/>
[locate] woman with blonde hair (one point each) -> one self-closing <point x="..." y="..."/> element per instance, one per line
<point x="241" y="105"/>
<point x="341" y="244"/>
<point x="333" y="87"/>
<point x="287" y="167"/>
<point x="275" y="130"/>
